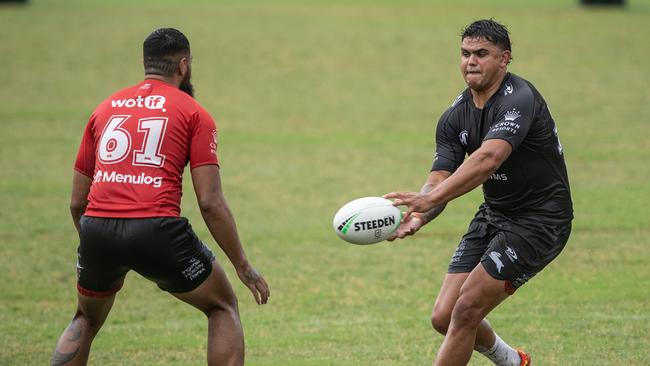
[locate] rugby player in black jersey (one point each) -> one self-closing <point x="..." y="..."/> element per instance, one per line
<point x="504" y="126"/>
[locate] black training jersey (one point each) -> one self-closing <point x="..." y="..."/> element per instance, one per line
<point x="533" y="180"/>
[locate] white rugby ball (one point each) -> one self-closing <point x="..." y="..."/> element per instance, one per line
<point x="367" y="220"/>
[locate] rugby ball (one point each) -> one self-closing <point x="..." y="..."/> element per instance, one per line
<point x="367" y="220"/>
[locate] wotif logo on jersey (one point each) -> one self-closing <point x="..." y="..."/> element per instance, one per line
<point x="115" y="177"/>
<point x="149" y="102"/>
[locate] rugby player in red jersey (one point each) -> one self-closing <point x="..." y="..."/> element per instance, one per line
<point x="125" y="204"/>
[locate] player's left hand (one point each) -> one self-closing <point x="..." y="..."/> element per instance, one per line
<point x="255" y="282"/>
<point x="414" y="202"/>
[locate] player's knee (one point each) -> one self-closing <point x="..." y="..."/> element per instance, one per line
<point x="228" y="304"/>
<point x="223" y="308"/>
<point x="440" y="320"/>
<point x="466" y="313"/>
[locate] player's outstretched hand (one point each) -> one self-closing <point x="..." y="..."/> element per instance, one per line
<point x="255" y="282"/>
<point x="409" y="226"/>
<point x="414" y="202"/>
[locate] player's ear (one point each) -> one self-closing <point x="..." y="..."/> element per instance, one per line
<point x="506" y="57"/>
<point x="184" y="65"/>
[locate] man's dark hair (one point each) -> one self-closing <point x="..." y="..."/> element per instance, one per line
<point x="490" y="30"/>
<point x="162" y="50"/>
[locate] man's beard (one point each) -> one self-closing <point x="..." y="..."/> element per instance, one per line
<point x="186" y="85"/>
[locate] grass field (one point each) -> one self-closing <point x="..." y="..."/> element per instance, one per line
<point x="320" y="102"/>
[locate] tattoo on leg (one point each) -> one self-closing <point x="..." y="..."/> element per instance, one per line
<point x="60" y="359"/>
<point x="73" y="334"/>
<point x="74" y="331"/>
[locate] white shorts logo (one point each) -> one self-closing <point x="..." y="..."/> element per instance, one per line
<point x="496" y="259"/>
<point x="512" y="255"/>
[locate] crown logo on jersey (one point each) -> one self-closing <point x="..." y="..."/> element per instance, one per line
<point x="512" y="115"/>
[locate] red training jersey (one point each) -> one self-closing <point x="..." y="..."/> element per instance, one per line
<point x="136" y="145"/>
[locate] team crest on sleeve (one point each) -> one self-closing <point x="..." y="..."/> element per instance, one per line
<point x="463" y="137"/>
<point x="508" y="89"/>
<point x="213" y="144"/>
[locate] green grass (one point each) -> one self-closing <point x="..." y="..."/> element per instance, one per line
<point x="318" y="103"/>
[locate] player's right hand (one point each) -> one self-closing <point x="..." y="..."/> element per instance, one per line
<point x="409" y="226"/>
<point x="255" y="282"/>
<point x="414" y="201"/>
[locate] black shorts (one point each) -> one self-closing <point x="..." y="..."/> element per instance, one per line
<point x="510" y="249"/>
<point x="162" y="249"/>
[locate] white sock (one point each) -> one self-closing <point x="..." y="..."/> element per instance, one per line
<point x="501" y="354"/>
